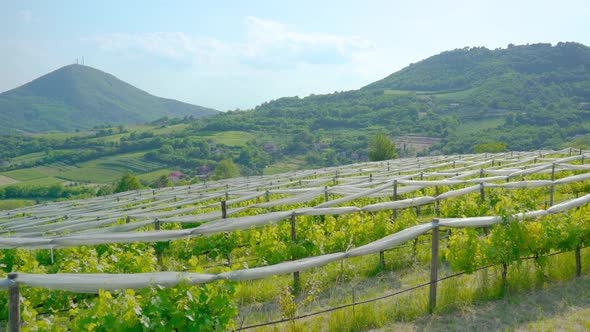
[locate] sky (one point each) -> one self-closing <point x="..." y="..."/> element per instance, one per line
<point x="238" y="54"/>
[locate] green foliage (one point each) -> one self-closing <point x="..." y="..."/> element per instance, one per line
<point x="490" y="147"/>
<point x="226" y="169"/>
<point x="54" y="191"/>
<point x="126" y="183"/>
<point x="213" y="307"/>
<point x="182" y="308"/>
<point x="381" y="148"/>
<point x="162" y="182"/>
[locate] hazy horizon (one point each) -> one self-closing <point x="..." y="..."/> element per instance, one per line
<point x="227" y="56"/>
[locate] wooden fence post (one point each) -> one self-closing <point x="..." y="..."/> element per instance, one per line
<point x="433" y="267"/>
<point x="13" y="305"/>
<point x="436" y="202"/>
<point x="482" y="196"/>
<point x="552" y="190"/>
<point x="326" y="194"/>
<point x="578" y="262"/>
<point x="223" y="209"/>
<point x="296" y="283"/>
<point x="158" y="247"/>
<point x="226" y="234"/>
<point x="394" y="198"/>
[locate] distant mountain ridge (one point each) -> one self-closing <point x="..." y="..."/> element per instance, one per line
<point x="81" y="97"/>
<point x="472" y="66"/>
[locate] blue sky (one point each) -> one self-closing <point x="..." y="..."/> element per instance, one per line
<point x="238" y="54"/>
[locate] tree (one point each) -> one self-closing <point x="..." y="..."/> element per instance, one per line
<point x="381" y="148"/>
<point x="162" y="182"/>
<point x="226" y="169"/>
<point x="128" y="182"/>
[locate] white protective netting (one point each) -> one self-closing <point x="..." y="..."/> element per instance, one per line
<point x="117" y="218"/>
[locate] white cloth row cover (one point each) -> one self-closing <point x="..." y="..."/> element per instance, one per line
<point x="232" y="224"/>
<point x="92" y="283"/>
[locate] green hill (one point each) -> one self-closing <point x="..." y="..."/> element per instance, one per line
<point x="461" y="101"/>
<point x="467" y="68"/>
<point x="81" y="97"/>
<point x="526" y="97"/>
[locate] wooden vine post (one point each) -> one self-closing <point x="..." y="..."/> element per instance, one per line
<point x="223" y="209"/>
<point x="226" y="234"/>
<point x="552" y="190"/>
<point x="296" y="283"/>
<point x="13" y="305"/>
<point x="482" y="195"/>
<point x="394" y="198"/>
<point x="436" y="202"/>
<point x="578" y="262"/>
<point x="433" y="267"/>
<point x="158" y="248"/>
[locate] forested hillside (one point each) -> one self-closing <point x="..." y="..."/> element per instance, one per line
<point x="525" y="97"/>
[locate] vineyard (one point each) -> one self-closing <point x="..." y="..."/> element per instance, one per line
<point x="341" y="248"/>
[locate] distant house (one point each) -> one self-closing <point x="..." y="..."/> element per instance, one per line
<point x="175" y="176"/>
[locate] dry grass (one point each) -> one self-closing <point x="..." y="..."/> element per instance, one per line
<point x="5" y="180"/>
<point x="558" y="307"/>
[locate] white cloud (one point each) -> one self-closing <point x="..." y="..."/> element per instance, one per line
<point x="26" y="16"/>
<point x="268" y="44"/>
<point x="271" y="60"/>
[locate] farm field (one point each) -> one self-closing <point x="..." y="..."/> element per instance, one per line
<point x="355" y="247"/>
<point x="283" y="167"/>
<point x="233" y="138"/>
<point x="478" y="126"/>
<point x="103" y="170"/>
<point x="92" y="174"/>
<point x="129" y="162"/>
<point x="151" y="176"/>
<point x="24" y="174"/>
<point x="5" y="180"/>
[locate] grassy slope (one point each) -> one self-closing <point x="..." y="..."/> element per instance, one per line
<point x="24" y="174"/>
<point x="465" y="303"/>
<point x="559" y="307"/>
<point x="81" y="97"/>
<point x="105" y="169"/>
<point x="9" y="204"/>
